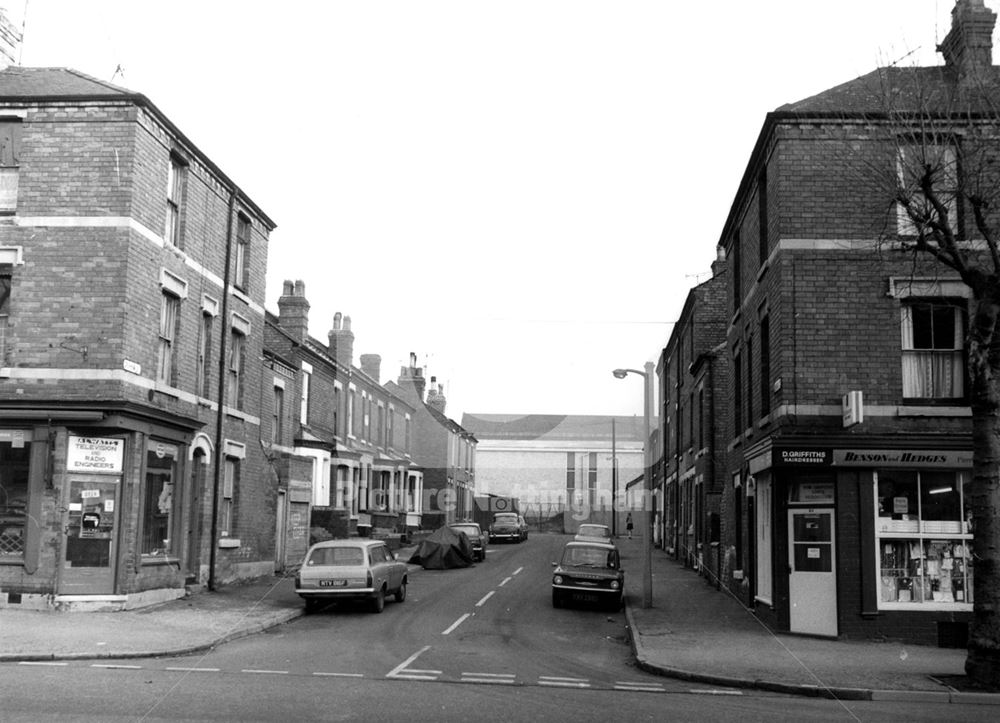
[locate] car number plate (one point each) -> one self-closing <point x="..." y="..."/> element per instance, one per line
<point x="333" y="583"/>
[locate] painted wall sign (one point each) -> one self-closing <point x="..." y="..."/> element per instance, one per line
<point x="95" y="454"/>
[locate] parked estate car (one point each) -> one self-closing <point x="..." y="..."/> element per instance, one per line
<point x="594" y="533"/>
<point x="508" y="526"/>
<point x="588" y="572"/>
<point x="474" y="532"/>
<point x="350" y="569"/>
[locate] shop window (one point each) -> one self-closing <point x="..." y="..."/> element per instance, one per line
<point x="15" y="456"/>
<point x="924" y="536"/>
<point x="159" y="515"/>
<point x="933" y="335"/>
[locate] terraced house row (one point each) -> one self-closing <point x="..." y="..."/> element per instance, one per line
<point x="158" y="427"/>
<point x="817" y="425"/>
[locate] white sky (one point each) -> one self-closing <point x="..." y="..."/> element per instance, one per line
<point x="522" y="192"/>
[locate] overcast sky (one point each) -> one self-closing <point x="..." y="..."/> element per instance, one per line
<point x="521" y="192"/>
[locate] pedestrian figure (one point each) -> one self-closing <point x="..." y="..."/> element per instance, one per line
<point x="628" y="524"/>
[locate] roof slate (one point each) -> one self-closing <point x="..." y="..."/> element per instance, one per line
<point x="18" y="82"/>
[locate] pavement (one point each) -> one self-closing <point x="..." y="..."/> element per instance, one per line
<point x="692" y="632"/>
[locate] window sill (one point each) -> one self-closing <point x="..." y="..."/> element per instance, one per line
<point x="159" y="560"/>
<point x="229" y="543"/>
<point x="12" y="560"/>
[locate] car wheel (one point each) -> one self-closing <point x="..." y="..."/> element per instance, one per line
<point x="401" y="592"/>
<point x="311" y="605"/>
<point x="557" y="601"/>
<point x="378" y="600"/>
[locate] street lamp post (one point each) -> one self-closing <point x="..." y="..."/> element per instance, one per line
<point x="645" y="518"/>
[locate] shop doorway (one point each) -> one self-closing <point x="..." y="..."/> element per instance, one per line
<point x="91" y="532"/>
<point x="812" y="580"/>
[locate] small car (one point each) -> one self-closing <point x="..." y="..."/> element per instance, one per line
<point x="594" y="533"/>
<point x="588" y="572"/>
<point x="508" y="526"/>
<point x="355" y="568"/>
<point x="474" y="532"/>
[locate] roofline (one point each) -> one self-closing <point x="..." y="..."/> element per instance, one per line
<point x="141" y="100"/>
<point x="775" y="117"/>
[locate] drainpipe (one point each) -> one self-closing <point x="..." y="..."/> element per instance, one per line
<point x="220" y="417"/>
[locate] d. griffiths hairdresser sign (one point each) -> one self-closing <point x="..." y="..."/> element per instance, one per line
<point x="95" y="454"/>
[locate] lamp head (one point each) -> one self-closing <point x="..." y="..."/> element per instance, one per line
<point x="620" y="373"/>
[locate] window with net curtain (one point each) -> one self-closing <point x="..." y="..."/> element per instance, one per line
<point x="933" y="357"/>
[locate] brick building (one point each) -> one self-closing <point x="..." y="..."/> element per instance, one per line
<point x="694" y="378"/>
<point x="849" y="436"/>
<point x="131" y="318"/>
<point x="443" y="448"/>
<point x="350" y="436"/>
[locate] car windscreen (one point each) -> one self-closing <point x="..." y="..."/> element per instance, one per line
<point x="336" y="556"/>
<point x="594" y="531"/>
<point x="579" y="556"/>
<point x="467" y="529"/>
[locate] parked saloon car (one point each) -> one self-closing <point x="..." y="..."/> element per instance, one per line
<point x="588" y="572"/>
<point x="594" y="533"/>
<point x="508" y="526"/>
<point x="476" y="536"/>
<point x="350" y="569"/>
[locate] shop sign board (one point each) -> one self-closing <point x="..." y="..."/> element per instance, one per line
<point x="902" y="458"/>
<point x="103" y="455"/>
<point x="801" y="457"/>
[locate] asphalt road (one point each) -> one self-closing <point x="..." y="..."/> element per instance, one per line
<point x="481" y="643"/>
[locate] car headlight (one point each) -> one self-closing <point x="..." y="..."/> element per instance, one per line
<point x="557" y="580"/>
<point x="614" y="584"/>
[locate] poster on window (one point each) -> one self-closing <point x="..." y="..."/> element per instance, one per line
<point x="95" y="454"/>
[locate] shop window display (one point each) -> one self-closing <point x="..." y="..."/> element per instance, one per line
<point x="924" y="536"/>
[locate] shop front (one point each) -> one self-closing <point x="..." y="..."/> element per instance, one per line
<point x="863" y="543"/>
<point x="91" y="518"/>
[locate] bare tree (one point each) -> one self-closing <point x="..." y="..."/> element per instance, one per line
<point x="935" y="170"/>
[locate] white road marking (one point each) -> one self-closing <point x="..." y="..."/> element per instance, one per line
<point x="517" y="571"/>
<point x="563" y="682"/>
<point x="407" y="676"/>
<point x="34" y="662"/>
<point x="342" y="675"/>
<point x="504" y="582"/>
<point x="271" y="672"/>
<point x="194" y="670"/>
<point x="638" y="688"/>
<point x="702" y="691"/>
<point x="489" y="675"/>
<point x="456" y="624"/>
<point x="486" y="597"/>
<point x="488" y="681"/>
<point x="402" y="666"/>
<point x="116" y="666"/>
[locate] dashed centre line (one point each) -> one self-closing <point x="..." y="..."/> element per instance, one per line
<point x="264" y="672"/>
<point x="486" y="597"/>
<point x="504" y="581"/>
<point x="456" y="623"/>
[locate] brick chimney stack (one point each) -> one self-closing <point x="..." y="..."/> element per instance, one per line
<point x="341" y="339"/>
<point x="293" y="310"/>
<point x="10" y="41"/>
<point x="412" y="377"/>
<point x="968" y="47"/>
<point x="435" y="397"/>
<point x="371" y="364"/>
<point x="719" y="265"/>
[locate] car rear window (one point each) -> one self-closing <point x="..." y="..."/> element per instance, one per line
<point x="467" y="529"/>
<point x="594" y="531"/>
<point x="337" y="556"/>
<point x="590" y="556"/>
